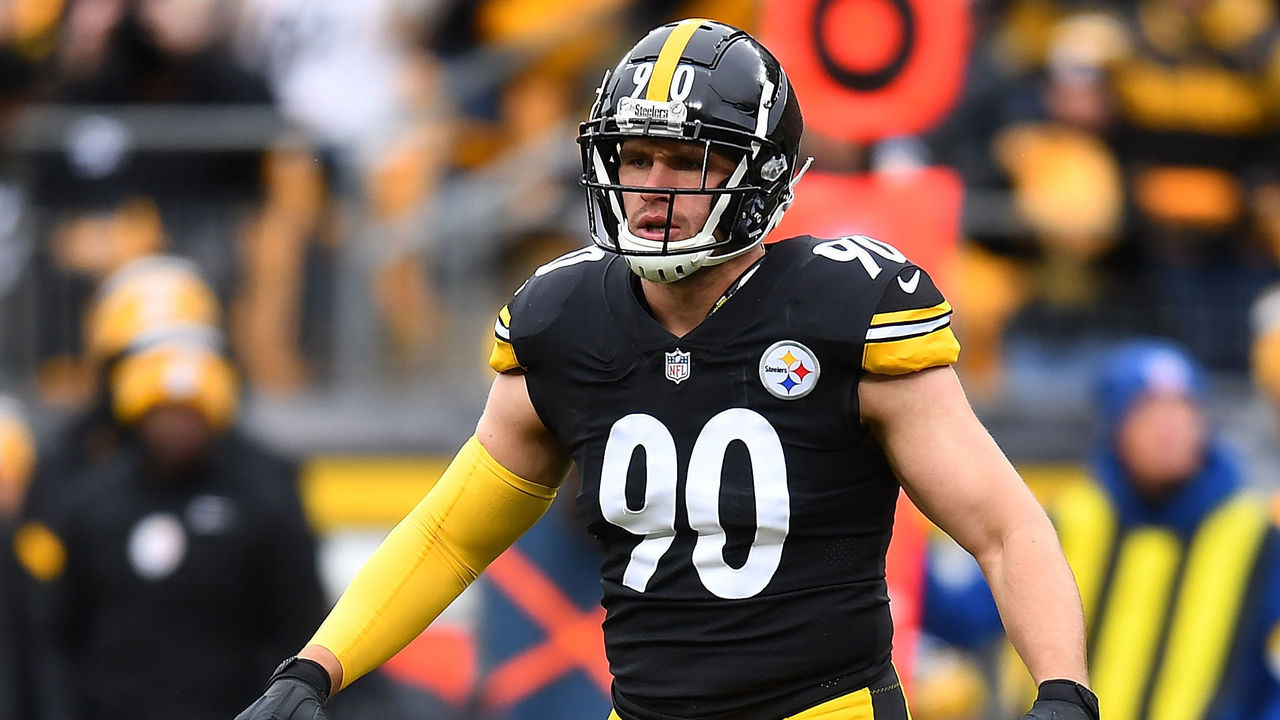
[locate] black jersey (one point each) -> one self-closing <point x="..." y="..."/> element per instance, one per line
<point x="742" y="508"/>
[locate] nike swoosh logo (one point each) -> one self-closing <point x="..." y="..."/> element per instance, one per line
<point x="909" y="286"/>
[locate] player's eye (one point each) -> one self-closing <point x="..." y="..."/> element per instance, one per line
<point x="635" y="160"/>
<point x="687" y="164"/>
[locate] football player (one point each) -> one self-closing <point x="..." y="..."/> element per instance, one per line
<point x="741" y="417"/>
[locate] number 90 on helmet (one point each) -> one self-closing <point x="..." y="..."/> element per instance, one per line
<point x="703" y="82"/>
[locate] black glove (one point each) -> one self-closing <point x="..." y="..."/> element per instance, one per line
<point x="298" y="690"/>
<point x="1063" y="700"/>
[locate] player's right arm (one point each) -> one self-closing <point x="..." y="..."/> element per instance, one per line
<point x="496" y="488"/>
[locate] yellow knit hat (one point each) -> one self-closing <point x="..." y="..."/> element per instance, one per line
<point x="179" y="373"/>
<point x="149" y="293"/>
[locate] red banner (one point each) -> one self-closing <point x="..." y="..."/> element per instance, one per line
<point x="904" y="573"/>
<point x="868" y="69"/>
<point x="916" y="211"/>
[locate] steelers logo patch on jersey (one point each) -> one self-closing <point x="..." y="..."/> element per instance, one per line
<point x="789" y="370"/>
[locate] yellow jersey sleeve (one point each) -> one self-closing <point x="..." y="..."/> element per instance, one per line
<point x="475" y="511"/>
<point x="502" y="358"/>
<point x="911" y="327"/>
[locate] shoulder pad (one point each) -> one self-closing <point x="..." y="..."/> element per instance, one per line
<point x="909" y="326"/>
<point x="537" y="303"/>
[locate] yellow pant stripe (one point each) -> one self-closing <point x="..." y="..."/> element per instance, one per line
<point x="853" y="706"/>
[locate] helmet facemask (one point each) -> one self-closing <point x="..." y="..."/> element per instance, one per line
<point x="669" y="258"/>
<point x="737" y="220"/>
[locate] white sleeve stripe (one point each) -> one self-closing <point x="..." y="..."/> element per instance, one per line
<point x="898" y="332"/>
<point x="503" y="333"/>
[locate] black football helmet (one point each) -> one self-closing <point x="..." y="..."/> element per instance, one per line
<point x="708" y="83"/>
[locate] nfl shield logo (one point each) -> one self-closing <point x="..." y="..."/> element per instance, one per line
<point x="677" y="366"/>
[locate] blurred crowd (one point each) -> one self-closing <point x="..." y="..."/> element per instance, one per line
<point x="1120" y="162"/>
<point x="207" y="201"/>
<point x="359" y="181"/>
<point x="328" y="165"/>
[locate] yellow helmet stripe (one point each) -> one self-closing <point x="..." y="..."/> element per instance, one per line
<point x="665" y="69"/>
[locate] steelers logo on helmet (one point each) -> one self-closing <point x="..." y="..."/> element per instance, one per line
<point x="789" y="370"/>
<point x="717" y="88"/>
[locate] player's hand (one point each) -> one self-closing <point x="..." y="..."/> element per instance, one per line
<point x="298" y="690"/>
<point x="1063" y="700"/>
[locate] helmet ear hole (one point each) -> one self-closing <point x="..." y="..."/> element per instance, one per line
<point x="750" y="216"/>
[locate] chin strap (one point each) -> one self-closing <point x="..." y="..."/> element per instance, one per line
<point x="800" y="173"/>
<point x="736" y="286"/>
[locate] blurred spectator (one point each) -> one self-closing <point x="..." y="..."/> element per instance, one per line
<point x="1001" y="86"/>
<point x="1198" y="139"/>
<point x="1047" y="211"/>
<point x="152" y="293"/>
<point x="159" y="307"/>
<point x="1265" y="351"/>
<point x="530" y="68"/>
<point x="30" y="27"/>
<point x="155" y="52"/>
<point x="336" y="68"/>
<point x="1176" y="560"/>
<point x="1065" y="181"/>
<point x="148" y="297"/>
<point x="371" y="104"/>
<point x="17" y="459"/>
<point x="16" y="245"/>
<point x="122" y="184"/>
<point x="948" y="685"/>
<point x="176" y="546"/>
<point x="1197" y="548"/>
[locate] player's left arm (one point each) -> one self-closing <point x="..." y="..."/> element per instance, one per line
<point x="956" y="474"/>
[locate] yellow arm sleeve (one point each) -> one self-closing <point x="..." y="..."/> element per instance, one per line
<point x="475" y="511"/>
